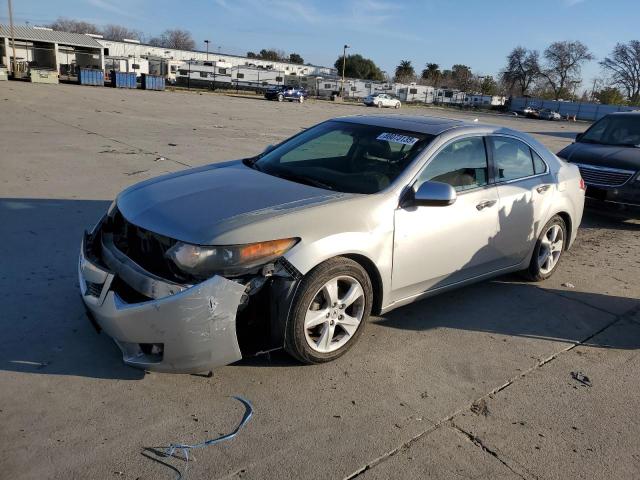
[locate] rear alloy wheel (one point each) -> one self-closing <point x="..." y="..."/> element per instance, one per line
<point x="280" y="97"/>
<point x="397" y="105"/>
<point x="379" y="104"/>
<point x="548" y="250"/>
<point x="329" y="311"/>
<point x="301" y="99"/>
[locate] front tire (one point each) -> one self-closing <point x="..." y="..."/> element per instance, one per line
<point x="548" y="250"/>
<point x="280" y="98"/>
<point x="329" y="311"/>
<point x="301" y="99"/>
<point x="397" y="105"/>
<point x="379" y="104"/>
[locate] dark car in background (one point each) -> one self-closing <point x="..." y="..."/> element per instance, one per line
<point x="286" y="93"/>
<point x="608" y="156"/>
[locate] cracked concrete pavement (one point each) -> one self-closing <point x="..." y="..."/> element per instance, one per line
<point x="475" y="383"/>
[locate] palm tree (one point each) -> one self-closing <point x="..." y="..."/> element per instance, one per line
<point x="431" y="73"/>
<point x="405" y="70"/>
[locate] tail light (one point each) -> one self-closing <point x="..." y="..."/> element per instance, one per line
<point x="582" y="184"/>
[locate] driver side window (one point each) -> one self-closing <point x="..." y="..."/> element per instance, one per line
<point x="462" y="164"/>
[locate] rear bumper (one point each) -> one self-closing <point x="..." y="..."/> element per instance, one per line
<point x="191" y="331"/>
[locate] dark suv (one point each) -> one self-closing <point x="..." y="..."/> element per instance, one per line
<point x="608" y="156"/>
<point x="286" y="93"/>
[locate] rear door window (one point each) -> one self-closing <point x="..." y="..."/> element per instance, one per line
<point x="512" y="159"/>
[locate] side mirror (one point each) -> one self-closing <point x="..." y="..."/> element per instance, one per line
<point x="432" y="194"/>
<point x="579" y="136"/>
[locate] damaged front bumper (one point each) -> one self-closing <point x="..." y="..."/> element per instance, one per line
<point x="182" y="329"/>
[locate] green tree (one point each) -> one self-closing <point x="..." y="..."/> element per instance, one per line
<point x="356" y="66"/>
<point x="610" y="96"/>
<point x="489" y="86"/>
<point x="295" y="58"/>
<point x="405" y="72"/>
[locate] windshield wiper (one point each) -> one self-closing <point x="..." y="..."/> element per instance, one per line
<point x="303" y="179"/>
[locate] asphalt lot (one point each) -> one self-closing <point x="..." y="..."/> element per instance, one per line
<point x="474" y="383"/>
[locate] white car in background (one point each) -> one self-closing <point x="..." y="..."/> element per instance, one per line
<point x="382" y="100"/>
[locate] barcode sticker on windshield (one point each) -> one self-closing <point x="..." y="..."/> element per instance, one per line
<point x="396" y="138"/>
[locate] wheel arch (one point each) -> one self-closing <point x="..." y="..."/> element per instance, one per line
<point x="566" y="218"/>
<point x="374" y="276"/>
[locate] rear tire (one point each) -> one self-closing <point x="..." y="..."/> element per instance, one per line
<point x="379" y="104"/>
<point x="280" y="98"/>
<point x="329" y="311"/>
<point x="301" y="99"/>
<point x="397" y="105"/>
<point x="548" y="250"/>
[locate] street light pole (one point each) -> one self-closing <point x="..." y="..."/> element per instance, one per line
<point x="207" y="42"/>
<point x="344" y="64"/>
<point x="13" y="40"/>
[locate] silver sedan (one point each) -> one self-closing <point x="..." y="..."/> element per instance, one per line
<point x="299" y="245"/>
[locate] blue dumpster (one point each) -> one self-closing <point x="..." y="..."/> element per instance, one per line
<point x="152" y="82"/>
<point x="123" y="79"/>
<point x="90" y="76"/>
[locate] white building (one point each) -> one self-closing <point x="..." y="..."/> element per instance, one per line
<point x="478" y="99"/>
<point x="134" y="49"/>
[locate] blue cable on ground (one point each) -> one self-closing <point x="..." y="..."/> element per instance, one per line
<point x="248" y="413"/>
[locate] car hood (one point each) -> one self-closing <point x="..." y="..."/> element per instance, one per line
<point x="627" y="158"/>
<point x="197" y="205"/>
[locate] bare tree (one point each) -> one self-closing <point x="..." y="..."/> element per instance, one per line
<point x="624" y="67"/>
<point x="118" y="33"/>
<point x="175" y="38"/>
<point x="523" y="68"/>
<point x="563" y="66"/>
<point x="73" y="26"/>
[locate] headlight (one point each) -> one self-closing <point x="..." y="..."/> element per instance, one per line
<point x="230" y="260"/>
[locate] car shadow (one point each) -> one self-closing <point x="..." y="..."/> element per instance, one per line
<point x="45" y="331"/>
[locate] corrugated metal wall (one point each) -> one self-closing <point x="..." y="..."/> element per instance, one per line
<point x="582" y="111"/>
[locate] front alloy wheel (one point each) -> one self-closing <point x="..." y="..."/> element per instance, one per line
<point x="334" y="314"/>
<point x="329" y="311"/>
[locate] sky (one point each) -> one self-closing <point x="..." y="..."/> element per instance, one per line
<point x="473" y="32"/>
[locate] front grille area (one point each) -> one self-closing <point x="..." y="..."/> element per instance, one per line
<point x="604" y="177"/>
<point x="94" y="289"/>
<point x="145" y="248"/>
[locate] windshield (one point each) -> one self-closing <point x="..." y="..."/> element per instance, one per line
<point x="345" y="157"/>
<point x="621" y="130"/>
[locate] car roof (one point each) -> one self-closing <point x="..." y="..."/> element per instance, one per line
<point x="415" y="123"/>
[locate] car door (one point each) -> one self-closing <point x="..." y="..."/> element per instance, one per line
<point x="525" y="190"/>
<point x="435" y="246"/>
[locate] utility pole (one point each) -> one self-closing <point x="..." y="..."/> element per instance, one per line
<point x="207" y="42"/>
<point x="13" y="40"/>
<point x="344" y="64"/>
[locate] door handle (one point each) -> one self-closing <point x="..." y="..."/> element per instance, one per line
<point x="543" y="188"/>
<point x="485" y="204"/>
